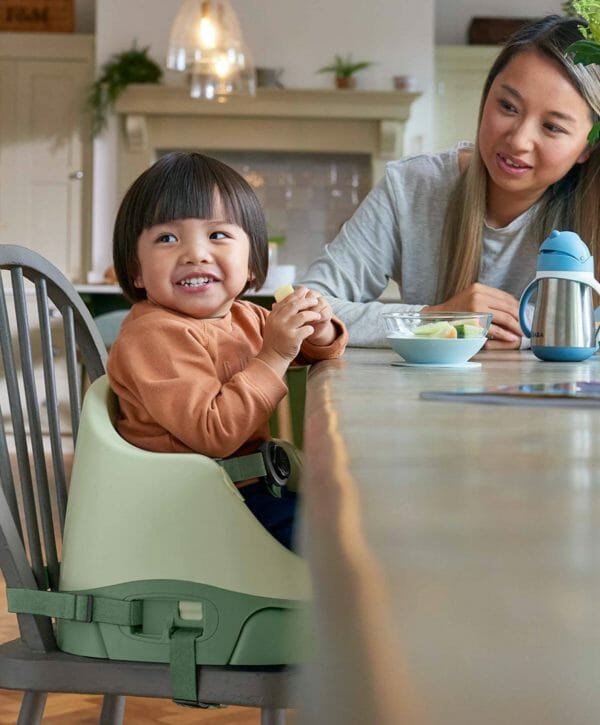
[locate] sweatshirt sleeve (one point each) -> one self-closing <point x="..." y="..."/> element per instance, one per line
<point x="182" y="392"/>
<point x="310" y="353"/>
<point x="356" y="266"/>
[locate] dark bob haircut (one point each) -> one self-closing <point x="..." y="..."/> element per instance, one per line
<point x="184" y="185"/>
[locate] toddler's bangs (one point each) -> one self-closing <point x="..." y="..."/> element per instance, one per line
<point x="192" y="191"/>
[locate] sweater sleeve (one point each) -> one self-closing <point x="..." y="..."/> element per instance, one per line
<point x="355" y="268"/>
<point x="310" y="353"/>
<point x="182" y="392"/>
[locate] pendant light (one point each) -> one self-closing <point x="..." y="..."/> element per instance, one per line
<point x="206" y="42"/>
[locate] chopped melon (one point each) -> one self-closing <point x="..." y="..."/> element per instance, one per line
<point x="436" y="329"/>
<point x="467" y="330"/>
<point x="282" y="292"/>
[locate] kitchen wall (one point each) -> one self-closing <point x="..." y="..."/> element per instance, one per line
<point x="452" y="17"/>
<point x="298" y="37"/>
<point x="450" y="22"/>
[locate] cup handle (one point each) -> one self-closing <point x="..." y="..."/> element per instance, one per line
<point x="595" y="285"/>
<point x="523" y="306"/>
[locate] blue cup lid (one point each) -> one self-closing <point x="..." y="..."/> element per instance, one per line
<point x="564" y="252"/>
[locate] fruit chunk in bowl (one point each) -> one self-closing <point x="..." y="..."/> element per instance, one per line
<point x="431" y="338"/>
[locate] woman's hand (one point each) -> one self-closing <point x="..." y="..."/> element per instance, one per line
<point x="290" y="322"/>
<point x="505" y="331"/>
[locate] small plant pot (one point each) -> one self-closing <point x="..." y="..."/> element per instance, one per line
<point x="345" y="82"/>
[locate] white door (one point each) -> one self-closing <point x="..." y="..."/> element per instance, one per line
<point x="44" y="164"/>
<point x="460" y="74"/>
<point x="9" y="179"/>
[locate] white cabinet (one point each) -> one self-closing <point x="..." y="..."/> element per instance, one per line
<point x="460" y="72"/>
<point x="45" y="145"/>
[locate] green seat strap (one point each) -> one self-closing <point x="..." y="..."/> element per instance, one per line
<point x="77" y="607"/>
<point x="241" y="468"/>
<point x="183" y="666"/>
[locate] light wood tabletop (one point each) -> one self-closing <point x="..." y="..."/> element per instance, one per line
<point x="455" y="547"/>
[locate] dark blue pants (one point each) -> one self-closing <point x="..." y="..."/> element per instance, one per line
<point x="275" y="514"/>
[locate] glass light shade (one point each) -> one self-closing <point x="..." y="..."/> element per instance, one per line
<point x="206" y="42"/>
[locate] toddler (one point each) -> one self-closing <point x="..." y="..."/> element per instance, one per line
<point x="196" y="368"/>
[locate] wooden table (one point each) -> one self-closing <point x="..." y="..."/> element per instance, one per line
<point x="455" y="547"/>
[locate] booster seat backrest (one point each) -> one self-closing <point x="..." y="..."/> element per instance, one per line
<point x="134" y="514"/>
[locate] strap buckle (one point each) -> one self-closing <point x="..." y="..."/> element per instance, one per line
<point x="278" y="466"/>
<point x="84" y="612"/>
<point x="82" y="607"/>
<point x="277" y="462"/>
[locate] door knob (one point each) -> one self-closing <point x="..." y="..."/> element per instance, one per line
<point x="76" y="175"/>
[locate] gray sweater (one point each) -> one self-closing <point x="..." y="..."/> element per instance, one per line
<point x="395" y="234"/>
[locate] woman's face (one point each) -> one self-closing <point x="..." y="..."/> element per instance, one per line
<point x="533" y="129"/>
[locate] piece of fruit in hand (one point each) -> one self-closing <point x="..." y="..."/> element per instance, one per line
<point x="282" y="292"/>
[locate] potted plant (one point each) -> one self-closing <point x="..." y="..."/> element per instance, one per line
<point x="275" y="241"/>
<point x="344" y="70"/>
<point x="130" y="66"/>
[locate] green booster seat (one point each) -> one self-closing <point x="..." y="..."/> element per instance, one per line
<point x="163" y="562"/>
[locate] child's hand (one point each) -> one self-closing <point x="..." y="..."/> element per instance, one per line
<point x="289" y="324"/>
<point x="324" y="329"/>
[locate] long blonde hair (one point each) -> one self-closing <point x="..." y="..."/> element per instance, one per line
<point x="572" y="202"/>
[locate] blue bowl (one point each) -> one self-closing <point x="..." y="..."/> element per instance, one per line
<point x="433" y="351"/>
<point x="430" y="338"/>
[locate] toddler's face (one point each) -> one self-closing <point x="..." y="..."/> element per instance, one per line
<point x="194" y="266"/>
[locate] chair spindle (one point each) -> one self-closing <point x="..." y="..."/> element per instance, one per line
<point x="52" y="409"/>
<point x="35" y="433"/>
<point x="20" y="439"/>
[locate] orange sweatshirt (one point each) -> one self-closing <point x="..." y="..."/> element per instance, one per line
<point x="188" y="385"/>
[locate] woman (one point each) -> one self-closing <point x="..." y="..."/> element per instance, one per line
<point x="459" y="231"/>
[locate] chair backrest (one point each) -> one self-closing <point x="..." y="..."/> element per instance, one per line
<point x="46" y="334"/>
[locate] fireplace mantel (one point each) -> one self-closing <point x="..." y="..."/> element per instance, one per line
<point x="163" y="117"/>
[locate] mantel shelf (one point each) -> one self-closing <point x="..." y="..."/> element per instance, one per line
<point x="156" y="117"/>
<point x="165" y="100"/>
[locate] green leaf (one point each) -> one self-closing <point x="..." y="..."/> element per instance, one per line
<point x="594" y="134"/>
<point x="344" y="67"/>
<point x="589" y="10"/>
<point x="585" y="52"/>
<point x="130" y="66"/>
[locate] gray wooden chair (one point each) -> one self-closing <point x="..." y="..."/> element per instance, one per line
<point x="42" y="345"/>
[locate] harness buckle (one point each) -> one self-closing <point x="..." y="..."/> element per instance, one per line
<point x="278" y="466"/>
<point x="84" y="611"/>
